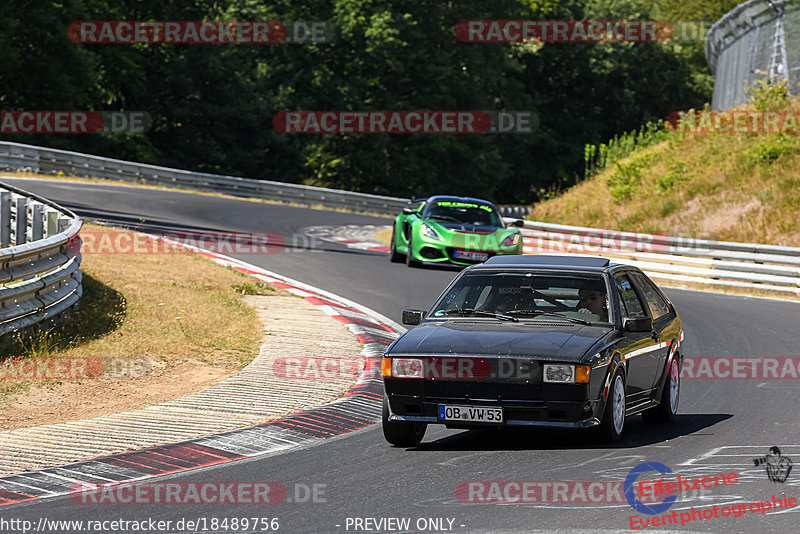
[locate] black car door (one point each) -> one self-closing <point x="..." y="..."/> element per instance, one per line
<point x="660" y="313"/>
<point x="637" y="348"/>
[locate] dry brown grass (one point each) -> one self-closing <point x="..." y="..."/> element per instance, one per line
<point x="742" y="188"/>
<point x="179" y="305"/>
<point x="168" y="309"/>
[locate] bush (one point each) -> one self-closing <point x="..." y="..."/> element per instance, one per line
<point x="602" y="156"/>
<point x="768" y="95"/>
<point x="677" y="172"/>
<point x="623" y="182"/>
<point x="771" y="150"/>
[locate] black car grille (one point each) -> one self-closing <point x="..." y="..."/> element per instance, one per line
<point x="449" y="390"/>
<point x="504" y="392"/>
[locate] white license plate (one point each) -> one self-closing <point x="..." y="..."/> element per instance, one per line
<point x="470" y="414"/>
<point x="467" y="255"/>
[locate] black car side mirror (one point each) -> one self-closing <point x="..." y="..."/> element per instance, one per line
<point x="637" y="324"/>
<point x="409" y="211"/>
<point x="413" y="317"/>
<point x="519" y="223"/>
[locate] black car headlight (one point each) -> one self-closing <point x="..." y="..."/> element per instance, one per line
<point x="562" y="373"/>
<point x="402" y="367"/>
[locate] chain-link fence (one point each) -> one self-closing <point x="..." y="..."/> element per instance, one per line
<point x="758" y="40"/>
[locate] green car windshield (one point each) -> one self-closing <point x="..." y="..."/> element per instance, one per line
<point x="463" y="213"/>
<point x="540" y="296"/>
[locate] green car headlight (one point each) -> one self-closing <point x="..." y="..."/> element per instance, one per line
<point x="511" y="240"/>
<point x="429" y="232"/>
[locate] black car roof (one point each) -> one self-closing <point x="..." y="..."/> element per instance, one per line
<point x="581" y="263"/>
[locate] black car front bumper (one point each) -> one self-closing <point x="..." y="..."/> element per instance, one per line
<point x="523" y="404"/>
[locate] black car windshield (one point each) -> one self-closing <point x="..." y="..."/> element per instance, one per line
<point x="463" y="213"/>
<point x="531" y="295"/>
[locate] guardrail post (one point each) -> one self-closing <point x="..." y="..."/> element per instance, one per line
<point x="5" y="219"/>
<point x="21" y="222"/>
<point x="37" y="221"/>
<point x="52" y="222"/>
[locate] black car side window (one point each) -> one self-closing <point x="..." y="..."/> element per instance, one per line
<point x="631" y="307"/>
<point x="658" y="306"/>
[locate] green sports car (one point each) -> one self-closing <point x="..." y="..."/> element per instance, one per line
<point x="456" y="230"/>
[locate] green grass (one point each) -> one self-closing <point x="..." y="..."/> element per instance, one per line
<point x="731" y="187"/>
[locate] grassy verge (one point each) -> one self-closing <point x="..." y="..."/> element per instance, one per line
<point x="740" y="187"/>
<point x="157" y="310"/>
<point x="729" y="187"/>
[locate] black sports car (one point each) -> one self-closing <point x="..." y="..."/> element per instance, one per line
<point x="553" y="341"/>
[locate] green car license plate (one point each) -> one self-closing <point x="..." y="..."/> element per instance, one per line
<point x="469" y="255"/>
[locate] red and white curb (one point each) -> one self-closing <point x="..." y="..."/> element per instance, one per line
<point x="360" y="407"/>
<point x="358" y="236"/>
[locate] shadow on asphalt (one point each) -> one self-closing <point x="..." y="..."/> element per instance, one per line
<point x="636" y="434"/>
<point x="440" y="267"/>
<point x="138" y="224"/>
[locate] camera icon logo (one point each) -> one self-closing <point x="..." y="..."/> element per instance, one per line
<point x="777" y="466"/>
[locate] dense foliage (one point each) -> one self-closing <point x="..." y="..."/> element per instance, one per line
<point x="213" y="105"/>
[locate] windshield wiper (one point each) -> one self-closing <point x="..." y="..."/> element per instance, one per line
<point x="550" y="313"/>
<point x="483" y="313"/>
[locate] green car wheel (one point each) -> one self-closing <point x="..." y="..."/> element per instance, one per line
<point x="394" y="256"/>
<point x="410" y="261"/>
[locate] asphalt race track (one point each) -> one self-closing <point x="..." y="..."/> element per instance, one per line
<point x="722" y="424"/>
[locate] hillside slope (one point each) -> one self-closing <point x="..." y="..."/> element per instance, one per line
<point x="730" y="187"/>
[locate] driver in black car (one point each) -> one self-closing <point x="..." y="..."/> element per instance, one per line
<point x="592" y="299"/>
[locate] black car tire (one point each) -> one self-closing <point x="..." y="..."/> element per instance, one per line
<point x="394" y="256"/>
<point x="668" y="407"/>
<point x="410" y="261"/>
<point x="399" y="433"/>
<point x="614" y="413"/>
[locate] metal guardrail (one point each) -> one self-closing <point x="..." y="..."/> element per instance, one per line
<point x="15" y="156"/>
<point x="746" y="265"/>
<point x="768" y="267"/>
<point x="515" y="212"/>
<point x="40" y="277"/>
<point x="756" y="40"/>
